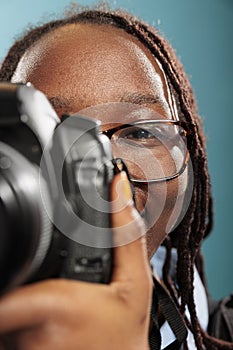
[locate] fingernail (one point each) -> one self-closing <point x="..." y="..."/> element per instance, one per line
<point x="125" y="189"/>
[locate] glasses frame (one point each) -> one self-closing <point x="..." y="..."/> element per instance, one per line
<point x="189" y="128"/>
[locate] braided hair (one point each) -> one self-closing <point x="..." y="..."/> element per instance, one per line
<point x="198" y="220"/>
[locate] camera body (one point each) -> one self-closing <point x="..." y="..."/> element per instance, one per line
<point x="55" y="177"/>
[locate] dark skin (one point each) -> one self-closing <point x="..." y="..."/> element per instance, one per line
<point x="78" y="66"/>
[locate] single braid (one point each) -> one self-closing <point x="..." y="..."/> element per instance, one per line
<point x="166" y="271"/>
<point x="193" y="315"/>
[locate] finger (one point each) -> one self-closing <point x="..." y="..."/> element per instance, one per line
<point x="130" y="255"/>
<point x="21" y="308"/>
<point x="31" y="305"/>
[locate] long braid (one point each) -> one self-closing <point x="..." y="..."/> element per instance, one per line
<point x="194" y="227"/>
<point x="166" y="271"/>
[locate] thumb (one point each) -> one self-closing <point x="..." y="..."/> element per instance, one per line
<point x="130" y="254"/>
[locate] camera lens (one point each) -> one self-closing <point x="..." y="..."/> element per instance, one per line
<point x="24" y="242"/>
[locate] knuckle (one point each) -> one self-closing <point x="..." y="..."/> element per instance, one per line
<point x="123" y="292"/>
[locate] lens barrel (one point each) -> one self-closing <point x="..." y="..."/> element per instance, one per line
<point x="21" y="219"/>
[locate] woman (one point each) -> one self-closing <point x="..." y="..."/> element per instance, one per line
<point x="124" y="69"/>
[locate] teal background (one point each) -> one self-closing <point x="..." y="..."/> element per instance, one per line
<point x="201" y="31"/>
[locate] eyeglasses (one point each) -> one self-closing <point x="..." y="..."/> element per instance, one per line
<point x="153" y="150"/>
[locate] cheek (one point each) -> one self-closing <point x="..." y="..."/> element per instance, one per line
<point x="153" y="200"/>
<point x="163" y="205"/>
<point x="183" y="199"/>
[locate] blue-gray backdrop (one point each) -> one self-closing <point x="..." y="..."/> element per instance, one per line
<point x="201" y="31"/>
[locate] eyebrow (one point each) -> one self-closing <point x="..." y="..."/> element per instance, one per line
<point x="135" y="97"/>
<point x="140" y="99"/>
<point x="60" y="102"/>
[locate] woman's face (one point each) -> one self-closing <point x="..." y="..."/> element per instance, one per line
<point x="84" y="65"/>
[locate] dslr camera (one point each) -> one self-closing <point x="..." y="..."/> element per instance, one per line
<point x="55" y="176"/>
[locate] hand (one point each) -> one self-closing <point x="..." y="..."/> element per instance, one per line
<point x="73" y="315"/>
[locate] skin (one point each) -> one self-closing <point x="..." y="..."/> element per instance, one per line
<point x="79" y="66"/>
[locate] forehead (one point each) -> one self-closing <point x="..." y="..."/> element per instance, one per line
<point x="88" y="64"/>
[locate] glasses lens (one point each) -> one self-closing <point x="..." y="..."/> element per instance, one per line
<point x="151" y="150"/>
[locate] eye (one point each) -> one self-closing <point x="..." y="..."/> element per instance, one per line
<point x="139" y="134"/>
<point x="140" y="137"/>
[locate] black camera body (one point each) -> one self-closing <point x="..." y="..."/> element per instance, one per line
<point x="55" y="177"/>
